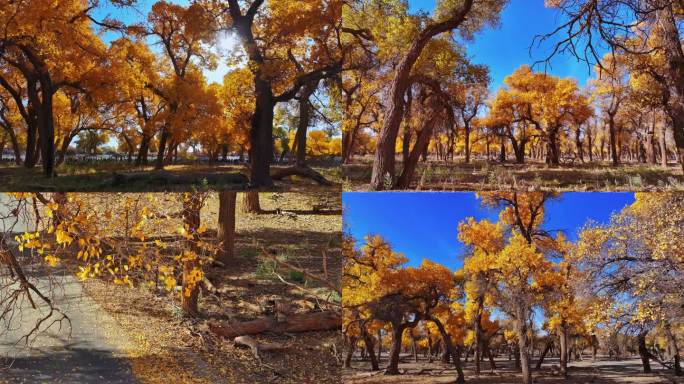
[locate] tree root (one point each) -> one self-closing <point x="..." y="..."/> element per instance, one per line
<point x="302" y="171"/>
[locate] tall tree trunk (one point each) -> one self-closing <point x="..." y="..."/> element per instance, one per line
<point x="546" y="350"/>
<point x="143" y="150"/>
<point x="523" y="344"/>
<point x="563" y="336"/>
<point x="643" y="352"/>
<point x="552" y="150"/>
<point x="164" y="136"/>
<point x="395" y="349"/>
<point x="672" y="343"/>
<point x="450" y="349"/>
<point x="14" y="142"/>
<point x="261" y="135"/>
<point x="368" y="340"/>
<point x="421" y="144"/>
<point x="590" y="150"/>
<point x="415" y="347"/>
<point x="385" y="147"/>
<point x="379" y="345"/>
<point x="578" y="144"/>
<point x="663" y="145"/>
<point x="406" y="145"/>
<point x="675" y="73"/>
<point x="192" y="204"/>
<point x="467" y="143"/>
<point x="612" y="140"/>
<point x="226" y="226"/>
<point x="250" y="202"/>
<point x="351" y="346"/>
<point x="304" y="120"/>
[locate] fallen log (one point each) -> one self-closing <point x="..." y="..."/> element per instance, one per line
<point x="307" y="322"/>
<point x="257" y="347"/>
<point x="298" y="170"/>
<point x="170" y="178"/>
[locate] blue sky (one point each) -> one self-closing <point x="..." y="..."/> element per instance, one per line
<point x="138" y="13"/>
<point x="503" y="48"/>
<point x="507" y="47"/>
<point x="424" y="225"/>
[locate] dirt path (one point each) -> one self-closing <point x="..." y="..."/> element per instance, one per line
<point x="88" y="351"/>
<point x="602" y="371"/>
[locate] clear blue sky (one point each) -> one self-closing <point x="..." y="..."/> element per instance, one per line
<point x="138" y="13"/>
<point x="507" y="47"/>
<point x="424" y="225"/>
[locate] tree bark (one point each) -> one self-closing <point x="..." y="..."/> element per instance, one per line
<point x="192" y="204"/>
<point x="546" y="350"/>
<point x="385" y="147"/>
<point x="395" y="349"/>
<point x="451" y="350"/>
<point x="304" y="120"/>
<point x="523" y="344"/>
<point x="250" y="202"/>
<point x="674" y="56"/>
<point x="563" y="336"/>
<point x="163" y="137"/>
<point x="226" y="226"/>
<point x="612" y="140"/>
<point x="307" y="322"/>
<point x="351" y="341"/>
<point x="643" y="352"/>
<point x="422" y="142"/>
<point x="368" y="341"/>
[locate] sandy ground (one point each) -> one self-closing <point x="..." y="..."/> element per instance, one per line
<point x="603" y="371"/>
<point x="482" y="175"/>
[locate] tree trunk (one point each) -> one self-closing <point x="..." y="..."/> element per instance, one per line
<point x="385" y="147"/>
<point x="226" y="226"/>
<point x="590" y="150"/>
<point x="395" y="349"/>
<point x="350" y="351"/>
<point x="261" y="135"/>
<point x="492" y="364"/>
<point x="192" y="204"/>
<point x="368" y="341"/>
<point x="406" y="145"/>
<point x="250" y="202"/>
<point x="467" y="143"/>
<point x="674" y="75"/>
<point x="643" y="352"/>
<point x="578" y="144"/>
<point x="379" y="345"/>
<point x="523" y="344"/>
<point x="672" y="343"/>
<point x="546" y="350"/>
<point x="612" y="140"/>
<point x="304" y="322"/>
<point x="552" y="150"/>
<point x="449" y="347"/>
<point x="563" y="336"/>
<point x="422" y="142"/>
<point x="304" y="120"/>
<point x="164" y="136"/>
<point x="143" y="150"/>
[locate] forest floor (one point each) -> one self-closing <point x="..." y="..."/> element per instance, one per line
<point x="482" y="175"/>
<point x="122" y="334"/>
<point x="94" y="177"/>
<point x="602" y="371"/>
<point x="289" y="228"/>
